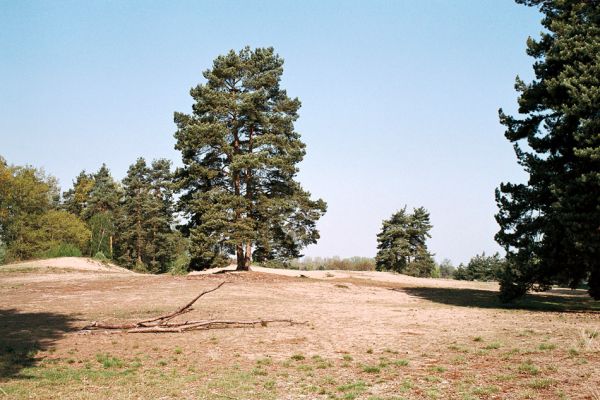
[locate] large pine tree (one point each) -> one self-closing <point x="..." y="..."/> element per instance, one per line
<point x="550" y="226"/>
<point x="240" y="154"/>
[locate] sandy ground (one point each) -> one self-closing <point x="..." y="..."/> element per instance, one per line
<point x="376" y="276"/>
<point x="432" y="323"/>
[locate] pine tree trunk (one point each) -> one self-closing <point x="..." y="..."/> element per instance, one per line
<point x="241" y="265"/>
<point x="139" y="236"/>
<point x="248" y="256"/>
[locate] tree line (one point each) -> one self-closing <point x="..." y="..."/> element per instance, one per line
<point x="130" y="222"/>
<point x="134" y="223"/>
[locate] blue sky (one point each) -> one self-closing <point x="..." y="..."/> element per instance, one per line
<point x="400" y="98"/>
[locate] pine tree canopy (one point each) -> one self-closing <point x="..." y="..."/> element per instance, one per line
<point x="240" y="154"/>
<point x="402" y="244"/>
<point x="550" y="226"/>
<point x="145" y="238"/>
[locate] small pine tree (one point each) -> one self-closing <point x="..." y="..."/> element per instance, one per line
<point x="402" y="244"/>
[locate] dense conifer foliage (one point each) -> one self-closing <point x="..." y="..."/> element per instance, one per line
<point x="402" y="244"/>
<point x="145" y="235"/>
<point x="240" y="154"/>
<point x="550" y="226"/>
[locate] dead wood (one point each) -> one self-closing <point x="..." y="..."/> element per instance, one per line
<point x="161" y="323"/>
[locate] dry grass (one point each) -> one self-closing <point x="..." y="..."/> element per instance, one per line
<point x="373" y="339"/>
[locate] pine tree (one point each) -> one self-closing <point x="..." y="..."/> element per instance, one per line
<point x="146" y="240"/>
<point x="76" y="200"/>
<point x="402" y="244"/>
<point x="550" y="226"/>
<point x="101" y="212"/>
<point x="240" y="152"/>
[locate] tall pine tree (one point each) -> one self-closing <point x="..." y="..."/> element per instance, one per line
<point x="550" y="226"/>
<point x="146" y="240"/>
<point x="240" y="151"/>
<point x="101" y="211"/>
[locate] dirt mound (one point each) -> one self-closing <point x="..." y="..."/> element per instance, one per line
<point x="64" y="264"/>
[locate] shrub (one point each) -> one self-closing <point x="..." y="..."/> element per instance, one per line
<point x="481" y="268"/>
<point x="333" y="263"/>
<point x="447" y="270"/>
<point x="181" y="264"/>
<point x="63" y="250"/>
<point x="2" y="253"/>
<point x="100" y="257"/>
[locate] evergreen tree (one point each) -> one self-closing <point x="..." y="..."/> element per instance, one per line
<point x="481" y="268"/>
<point x="102" y="211"/>
<point x="146" y="240"/>
<point x="240" y="152"/>
<point x="76" y="200"/>
<point x="550" y="227"/>
<point x="402" y="244"/>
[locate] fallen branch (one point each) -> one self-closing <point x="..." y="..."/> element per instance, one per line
<point x="161" y="323"/>
<point x="199" y="325"/>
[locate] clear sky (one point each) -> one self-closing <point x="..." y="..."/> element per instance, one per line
<point x="400" y="98"/>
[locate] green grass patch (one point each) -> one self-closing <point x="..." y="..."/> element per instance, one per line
<point x="493" y="346"/>
<point x="371" y="369"/>
<point x="109" y="361"/>
<point x="528" y="368"/>
<point x="541" y="383"/>
<point x="400" y="363"/>
<point x="547" y="346"/>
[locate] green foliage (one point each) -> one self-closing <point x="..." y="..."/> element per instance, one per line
<point x="146" y="241"/>
<point x="2" y="252"/>
<point x="447" y="270"/>
<point x="180" y="265"/>
<point x="102" y="228"/>
<point x="26" y="194"/>
<point x="549" y="226"/>
<point x="63" y="250"/>
<point x="30" y="224"/>
<point x="402" y="244"/>
<point x="240" y="154"/>
<point x="333" y="263"/>
<point x="481" y="268"/>
<point x="76" y="200"/>
<point x="101" y="257"/>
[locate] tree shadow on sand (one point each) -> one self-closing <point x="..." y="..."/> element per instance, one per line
<point x="23" y="334"/>
<point x="574" y="301"/>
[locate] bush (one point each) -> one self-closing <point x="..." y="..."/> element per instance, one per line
<point x="481" y="268"/>
<point x="100" y="257"/>
<point x="2" y="253"/>
<point x="181" y="265"/>
<point x="62" y="250"/>
<point x="447" y="270"/>
<point x="334" y="263"/>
